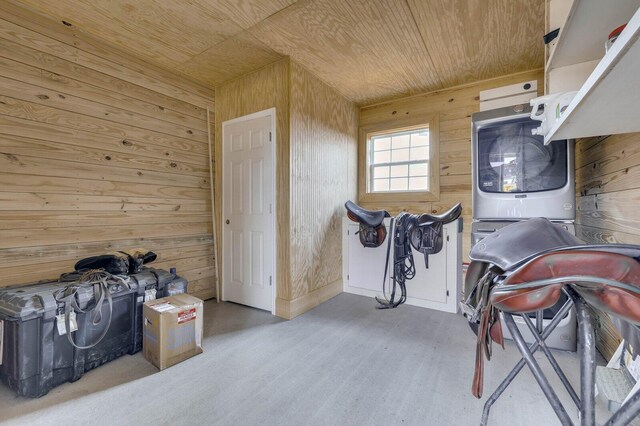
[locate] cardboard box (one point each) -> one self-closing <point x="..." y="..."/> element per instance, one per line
<point x="172" y="330"/>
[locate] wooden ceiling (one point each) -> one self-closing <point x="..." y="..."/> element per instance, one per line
<point x="369" y="50"/>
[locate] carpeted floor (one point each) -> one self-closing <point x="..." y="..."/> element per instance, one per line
<point x="343" y="363"/>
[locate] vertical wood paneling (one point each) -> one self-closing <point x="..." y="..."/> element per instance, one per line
<point x="315" y="169"/>
<point x="97" y="155"/>
<point x="607" y="199"/>
<point x="454" y="107"/>
<point x="263" y="89"/>
<point x="323" y="159"/>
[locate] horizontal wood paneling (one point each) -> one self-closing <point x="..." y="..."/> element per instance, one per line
<point x="607" y="200"/>
<point x="64" y="71"/>
<point x="454" y="108"/>
<point x="98" y="152"/>
<point x="18" y="108"/>
<point x="171" y="152"/>
<point x="33" y="153"/>
<point x="92" y="108"/>
<point x="166" y="248"/>
<point x="59" y="39"/>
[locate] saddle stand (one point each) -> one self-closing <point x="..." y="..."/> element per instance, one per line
<point x="525" y="268"/>
<point x="587" y="362"/>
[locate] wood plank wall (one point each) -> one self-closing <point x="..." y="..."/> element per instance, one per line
<point x="324" y="128"/>
<point x="607" y="197"/>
<point x="454" y="108"/>
<point x="98" y="152"/>
<point x="265" y="88"/>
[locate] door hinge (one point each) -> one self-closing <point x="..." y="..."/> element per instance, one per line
<point x="447" y="293"/>
<point x="270" y="208"/>
<point x="347" y="277"/>
<point x="271" y="279"/>
<point x="348" y="232"/>
<point x="269" y="136"/>
<point x="447" y="238"/>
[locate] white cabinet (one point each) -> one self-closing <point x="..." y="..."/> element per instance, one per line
<point x="438" y="287"/>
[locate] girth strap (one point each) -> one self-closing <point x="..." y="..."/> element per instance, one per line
<point x="489" y="329"/>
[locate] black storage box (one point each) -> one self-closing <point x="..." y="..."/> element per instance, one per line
<point x="36" y="358"/>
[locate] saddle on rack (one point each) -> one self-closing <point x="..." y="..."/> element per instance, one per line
<point x="425" y="234"/>
<point x="372" y="231"/>
<point x="525" y="268"/>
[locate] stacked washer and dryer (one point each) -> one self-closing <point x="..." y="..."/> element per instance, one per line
<point x="516" y="177"/>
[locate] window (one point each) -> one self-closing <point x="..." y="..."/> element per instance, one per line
<point x="399" y="161"/>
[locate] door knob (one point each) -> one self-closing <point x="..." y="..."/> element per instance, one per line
<point x="227" y="221"/>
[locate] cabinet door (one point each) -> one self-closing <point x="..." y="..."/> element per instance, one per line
<point x="366" y="269"/>
<point x="366" y="265"/>
<point x="430" y="284"/>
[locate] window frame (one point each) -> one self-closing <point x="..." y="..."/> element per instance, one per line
<point x="365" y="194"/>
<point x="371" y="154"/>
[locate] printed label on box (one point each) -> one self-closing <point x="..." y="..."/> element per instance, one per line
<point x="62" y="327"/>
<point x="150" y="294"/>
<point x="185" y="316"/>
<point x="162" y="307"/>
<point x="1" y="337"/>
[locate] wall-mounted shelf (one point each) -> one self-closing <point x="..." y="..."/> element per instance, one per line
<point x="607" y="103"/>
<point x="583" y="35"/>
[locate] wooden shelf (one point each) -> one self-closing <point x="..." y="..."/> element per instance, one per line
<point x="608" y="102"/>
<point x="583" y="35"/>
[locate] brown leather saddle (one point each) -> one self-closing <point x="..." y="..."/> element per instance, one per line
<point x="525" y="267"/>
<point x="372" y="231"/>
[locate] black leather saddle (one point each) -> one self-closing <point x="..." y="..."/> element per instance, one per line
<point x="371" y="218"/>
<point x="515" y="245"/>
<point x="449" y="216"/>
<point x="425" y="233"/>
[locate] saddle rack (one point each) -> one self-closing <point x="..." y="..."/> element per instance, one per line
<point x="422" y="232"/>
<point x="532" y="275"/>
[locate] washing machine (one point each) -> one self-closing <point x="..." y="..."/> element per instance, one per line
<point x="515" y="175"/>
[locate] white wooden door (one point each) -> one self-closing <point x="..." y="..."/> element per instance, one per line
<point x="248" y="238"/>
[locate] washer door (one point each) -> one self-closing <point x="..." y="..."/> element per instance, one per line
<point x="512" y="160"/>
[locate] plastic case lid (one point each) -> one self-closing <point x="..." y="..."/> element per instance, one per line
<point x="36" y="300"/>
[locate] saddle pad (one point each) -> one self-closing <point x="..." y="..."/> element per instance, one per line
<point x="514" y="244"/>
